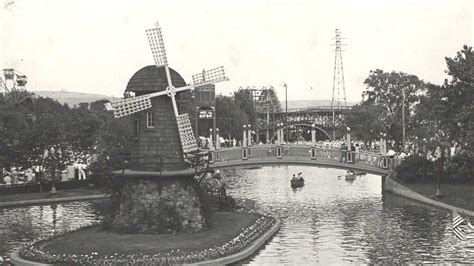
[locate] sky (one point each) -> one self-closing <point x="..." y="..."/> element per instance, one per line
<point x="96" y="46"/>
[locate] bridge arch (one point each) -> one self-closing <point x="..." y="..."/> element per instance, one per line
<point x="307" y="124"/>
<point x="266" y="155"/>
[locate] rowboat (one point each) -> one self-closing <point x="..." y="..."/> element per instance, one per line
<point x="297" y="182"/>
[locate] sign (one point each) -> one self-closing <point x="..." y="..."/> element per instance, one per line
<point x="206" y="114"/>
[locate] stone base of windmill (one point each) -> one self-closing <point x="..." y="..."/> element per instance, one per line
<point x="157" y="204"/>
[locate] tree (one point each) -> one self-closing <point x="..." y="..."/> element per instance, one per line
<point x="385" y="91"/>
<point x="455" y="99"/>
<point x="364" y="122"/>
<point x="243" y="98"/>
<point x="230" y="117"/>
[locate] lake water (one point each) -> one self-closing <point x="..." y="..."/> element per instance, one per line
<point x="328" y="221"/>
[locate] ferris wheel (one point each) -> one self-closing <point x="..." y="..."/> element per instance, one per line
<point x="12" y="84"/>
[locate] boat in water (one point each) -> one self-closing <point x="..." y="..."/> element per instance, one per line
<point x="350" y="177"/>
<point x="297" y="181"/>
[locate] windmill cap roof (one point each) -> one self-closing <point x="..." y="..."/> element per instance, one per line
<point x="152" y="79"/>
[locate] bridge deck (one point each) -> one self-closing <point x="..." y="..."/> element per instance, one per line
<point x="298" y="161"/>
<point x="261" y="155"/>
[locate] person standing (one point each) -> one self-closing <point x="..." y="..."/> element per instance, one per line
<point x="29" y="175"/>
<point x="7" y="180"/>
<point x="343" y="152"/>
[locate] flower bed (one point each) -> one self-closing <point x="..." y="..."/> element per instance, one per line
<point x="34" y="251"/>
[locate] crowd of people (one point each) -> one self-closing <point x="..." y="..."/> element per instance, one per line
<point x="72" y="165"/>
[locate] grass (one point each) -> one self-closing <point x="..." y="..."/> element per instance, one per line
<point x="45" y="195"/>
<point x="225" y="226"/>
<point x="459" y="195"/>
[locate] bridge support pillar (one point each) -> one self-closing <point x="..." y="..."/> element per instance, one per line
<point x="279" y="152"/>
<point x="211" y="157"/>
<point x="313" y="153"/>
<point x="244" y="153"/>
<point x="384" y="162"/>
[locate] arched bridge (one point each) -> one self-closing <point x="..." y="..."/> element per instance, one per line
<point x="261" y="155"/>
<point x="307" y="124"/>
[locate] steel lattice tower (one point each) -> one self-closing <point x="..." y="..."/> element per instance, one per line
<point x="338" y="78"/>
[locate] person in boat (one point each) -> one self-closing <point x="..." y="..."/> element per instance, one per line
<point x="300" y="177"/>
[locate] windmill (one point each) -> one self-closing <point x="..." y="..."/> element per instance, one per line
<point x="140" y="103"/>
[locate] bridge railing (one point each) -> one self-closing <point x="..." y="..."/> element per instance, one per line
<point x="303" y="152"/>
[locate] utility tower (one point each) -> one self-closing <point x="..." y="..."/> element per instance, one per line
<point x="338" y="86"/>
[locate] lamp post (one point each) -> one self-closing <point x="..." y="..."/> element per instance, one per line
<point x="249" y="132"/>
<point x="403" y="119"/>
<point x="244" y="136"/>
<point x="313" y="135"/>
<point x="218" y="141"/>
<point x="286" y="105"/>
<point x="210" y="140"/>
<point x="52" y="157"/>
<point x="348" y="138"/>
<point x="440" y="162"/>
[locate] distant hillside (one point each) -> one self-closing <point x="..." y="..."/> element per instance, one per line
<point x="72" y="98"/>
<point x="309" y="103"/>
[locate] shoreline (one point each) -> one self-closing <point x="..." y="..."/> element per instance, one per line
<point x="51" y="200"/>
<point x="245" y="253"/>
<point x="393" y="186"/>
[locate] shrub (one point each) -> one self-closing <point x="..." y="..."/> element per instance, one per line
<point x="460" y="168"/>
<point x="416" y="169"/>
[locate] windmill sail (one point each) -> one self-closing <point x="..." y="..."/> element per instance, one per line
<point x="157" y="46"/>
<point x="188" y="142"/>
<point x="130" y="105"/>
<point x="211" y="76"/>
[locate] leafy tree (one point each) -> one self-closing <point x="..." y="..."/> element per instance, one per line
<point x="364" y="122"/>
<point x="385" y="91"/>
<point x="230" y="117"/>
<point x="454" y="99"/>
<point x="243" y="99"/>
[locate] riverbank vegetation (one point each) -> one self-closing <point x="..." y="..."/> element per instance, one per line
<point x="439" y="120"/>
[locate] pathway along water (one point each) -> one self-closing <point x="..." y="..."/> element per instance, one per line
<point x="328" y="221"/>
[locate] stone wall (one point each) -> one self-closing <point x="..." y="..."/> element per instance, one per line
<point x="390" y="185"/>
<point x="158" y="205"/>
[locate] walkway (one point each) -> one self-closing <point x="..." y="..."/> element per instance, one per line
<point x="260" y="155"/>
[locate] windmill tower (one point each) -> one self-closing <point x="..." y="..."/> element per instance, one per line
<point x="162" y="135"/>
<point x="338" y="86"/>
<point x="158" y="192"/>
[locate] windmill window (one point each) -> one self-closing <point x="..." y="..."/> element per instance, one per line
<point x="150" y="120"/>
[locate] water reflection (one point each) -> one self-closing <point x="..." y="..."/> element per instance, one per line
<point x="22" y="224"/>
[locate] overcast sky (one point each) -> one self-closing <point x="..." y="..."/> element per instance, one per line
<point x="96" y="46"/>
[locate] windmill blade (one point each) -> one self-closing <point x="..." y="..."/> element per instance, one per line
<point x="157" y="46"/>
<point x="129" y="106"/>
<point x="212" y="76"/>
<point x="186" y="135"/>
<point x="133" y="105"/>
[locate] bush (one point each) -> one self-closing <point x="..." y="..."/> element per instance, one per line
<point x="460" y="168"/>
<point x="416" y="169"/>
